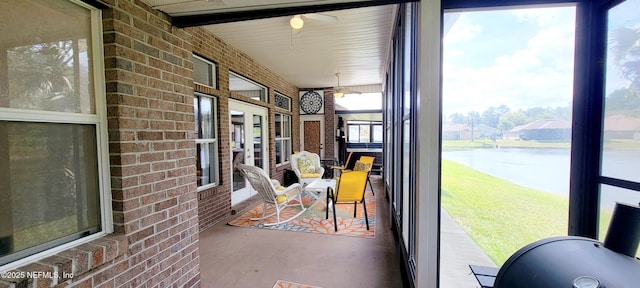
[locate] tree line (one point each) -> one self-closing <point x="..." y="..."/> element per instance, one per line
<point x="625" y="49"/>
<point x="504" y="118"/>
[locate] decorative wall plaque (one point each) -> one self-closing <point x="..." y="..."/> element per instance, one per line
<point x="311" y="102"/>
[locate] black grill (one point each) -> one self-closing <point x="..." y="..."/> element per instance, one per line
<point x="577" y="261"/>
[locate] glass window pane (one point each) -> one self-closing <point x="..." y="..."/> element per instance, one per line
<point x="207" y="148"/>
<point x="197" y="126"/>
<point x="206" y="118"/>
<point x="365" y="133"/>
<point x="206" y="163"/>
<point x="377" y="133"/>
<point x="203" y="72"/>
<point x="278" y="151"/>
<point x="50" y="185"/>
<point x="406" y="177"/>
<point x="621" y="137"/>
<point x="505" y="154"/>
<point x="257" y="140"/>
<point x="354" y="133"/>
<point x="283" y="135"/>
<point x="406" y="87"/>
<point x="278" y="125"/>
<point x="49" y="66"/>
<point x="286" y="149"/>
<point x="286" y="126"/>
<point x="242" y="86"/>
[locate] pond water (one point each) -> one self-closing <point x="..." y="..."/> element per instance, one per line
<point x="545" y="169"/>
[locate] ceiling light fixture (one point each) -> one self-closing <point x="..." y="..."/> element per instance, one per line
<point x="296" y="22"/>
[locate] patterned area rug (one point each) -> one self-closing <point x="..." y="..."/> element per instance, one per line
<point x="313" y="219"/>
<point x="287" y="284"/>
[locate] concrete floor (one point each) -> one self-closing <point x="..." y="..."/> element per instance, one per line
<point x="457" y="252"/>
<point x="247" y="257"/>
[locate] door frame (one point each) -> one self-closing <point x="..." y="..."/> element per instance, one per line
<point x="305" y="118"/>
<point x="250" y="109"/>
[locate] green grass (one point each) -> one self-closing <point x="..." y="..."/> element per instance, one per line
<point x="501" y="217"/>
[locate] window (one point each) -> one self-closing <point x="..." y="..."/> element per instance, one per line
<point x="283" y="138"/>
<point x="283" y="102"/>
<point x="242" y="86"/>
<point x="620" y="148"/>
<point x="377" y="134"/>
<point x="206" y="140"/>
<point x="528" y="117"/>
<point x="364" y="132"/>
<point x="204" y="71"/>
<point x="53" y="176"/>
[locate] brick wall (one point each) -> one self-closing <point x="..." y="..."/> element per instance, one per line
<point x="149" y="96"/>
<point x="149" y="81"/>
<point x="330" y="125"/>
<point x="215" y="203"/>
<point x="157" y="211"/>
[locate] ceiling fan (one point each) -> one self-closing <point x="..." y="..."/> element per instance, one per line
<point x="297" y="21"/>
<point x="340" y="91"/>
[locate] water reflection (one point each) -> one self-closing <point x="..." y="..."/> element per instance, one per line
<point x="544" y="169"/>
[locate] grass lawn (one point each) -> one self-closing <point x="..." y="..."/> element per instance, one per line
<point x="501" y="217"/>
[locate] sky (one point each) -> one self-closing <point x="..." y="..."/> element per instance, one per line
<point x="519" y="58"/>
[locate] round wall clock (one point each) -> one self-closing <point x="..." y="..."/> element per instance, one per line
<point x="311" y="102"/>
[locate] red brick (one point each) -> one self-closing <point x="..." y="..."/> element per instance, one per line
<point x="149" y="135"/>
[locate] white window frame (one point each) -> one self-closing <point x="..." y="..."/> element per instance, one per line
<point x="212" y="70"/>
<point x="99" y="120"/>
<point x="283" y="158"/>
<point x="361" y="124"/>
<point x="216" y="165"/>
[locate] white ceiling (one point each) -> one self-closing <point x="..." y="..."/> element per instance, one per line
<point x="356" y="45"/>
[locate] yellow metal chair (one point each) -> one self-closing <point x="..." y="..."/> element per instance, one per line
<point x="367" y="165"/>
<point x="343" y="167"/>
<point x="350" y="187"/>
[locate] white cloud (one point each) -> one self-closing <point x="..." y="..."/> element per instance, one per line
<point x="539" y="75"/>
<point x="461" y="31"/>
<point x="545" y="17"/>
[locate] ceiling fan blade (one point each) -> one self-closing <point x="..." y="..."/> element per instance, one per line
<point x="321" y="17"/>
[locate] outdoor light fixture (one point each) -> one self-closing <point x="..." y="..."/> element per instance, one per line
<point x="338" y="94"/>
<point x="296" y="22"/>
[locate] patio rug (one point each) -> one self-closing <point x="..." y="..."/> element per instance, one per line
<point x="287" y="284"/>
<point x="313" y="219"/>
